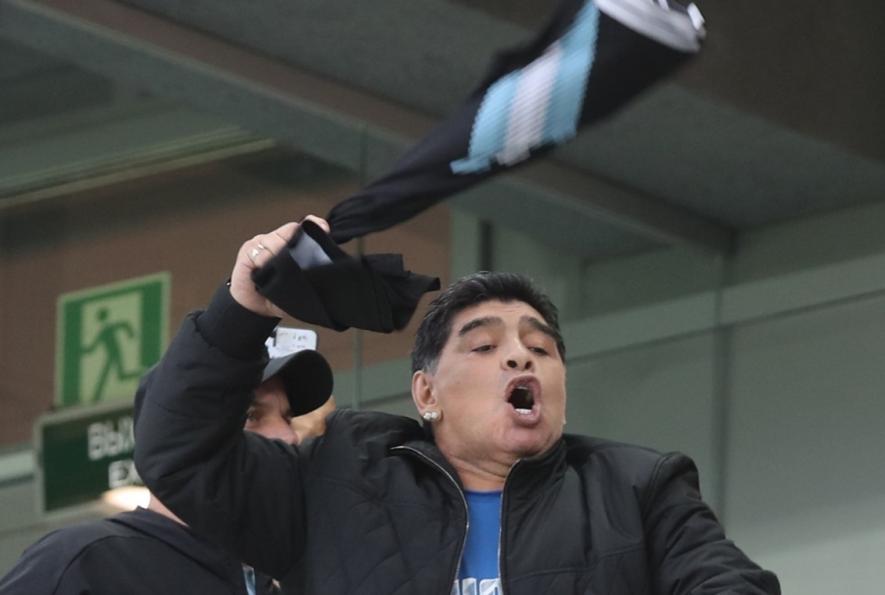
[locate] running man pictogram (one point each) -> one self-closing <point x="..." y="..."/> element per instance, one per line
<point x="108" y="339"/>
<point x="108" y="336"/>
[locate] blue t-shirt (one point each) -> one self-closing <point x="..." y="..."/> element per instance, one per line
<point x="479" y="564"/>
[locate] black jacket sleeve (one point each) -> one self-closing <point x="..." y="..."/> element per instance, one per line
<point x="234" y="488"/>
<point x="688" y="549"/>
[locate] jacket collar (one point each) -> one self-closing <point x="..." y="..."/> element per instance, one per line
<point x="527" y="476"/>
<point x="428" y="449"/>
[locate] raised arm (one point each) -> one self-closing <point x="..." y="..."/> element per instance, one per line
<point x="233" y="487"/>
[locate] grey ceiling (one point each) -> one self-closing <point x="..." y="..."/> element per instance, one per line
<point x="779" y="117"/>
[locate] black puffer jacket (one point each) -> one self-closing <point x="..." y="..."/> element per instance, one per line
<point x="374" y="508"/>
<point x="133" y="553"/>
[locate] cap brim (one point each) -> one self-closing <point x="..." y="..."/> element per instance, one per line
<point x="307" y="379"/>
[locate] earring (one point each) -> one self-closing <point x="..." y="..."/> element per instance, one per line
<point x="431" y="416"/>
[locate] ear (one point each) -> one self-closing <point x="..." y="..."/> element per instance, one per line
<point x="422" y="391"/>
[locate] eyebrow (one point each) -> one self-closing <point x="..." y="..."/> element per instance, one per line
<point x="480" y="322"/>
<point x="539" y="326"/>
<point x="495" y="321"/>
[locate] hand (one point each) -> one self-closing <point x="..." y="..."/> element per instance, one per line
<point x="256" y="253"/>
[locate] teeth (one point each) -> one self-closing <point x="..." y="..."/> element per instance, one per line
<point x="522" y="398"/>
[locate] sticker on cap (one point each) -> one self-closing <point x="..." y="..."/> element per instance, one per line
<point x="286" y="340"/>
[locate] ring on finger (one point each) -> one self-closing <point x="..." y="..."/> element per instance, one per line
<point x="253" y="254"/>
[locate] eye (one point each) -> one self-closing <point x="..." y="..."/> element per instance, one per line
<point x="251" y="415"/>
<point x="539" y="350"/>
<point x="483" y="348"/>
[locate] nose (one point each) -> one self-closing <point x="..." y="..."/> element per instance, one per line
<point x="519" y="358"/>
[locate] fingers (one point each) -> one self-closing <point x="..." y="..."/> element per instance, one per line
<point x="285" y="232"/>
<point x="319" y="221"/>
<point x="263" y="247"/>
<point x="255" y="254"/>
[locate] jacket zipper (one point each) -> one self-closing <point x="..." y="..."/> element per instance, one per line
<point x="442" y="469"/>
<point x="501" y="527"/>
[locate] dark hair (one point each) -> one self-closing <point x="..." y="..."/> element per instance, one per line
<point x="435" y="328"/>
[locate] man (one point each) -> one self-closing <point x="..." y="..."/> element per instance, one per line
<point x="488" y="496"/>
<point x="151" y="550"/>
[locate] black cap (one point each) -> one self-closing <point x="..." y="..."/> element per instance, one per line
<point x="306" y="376"/>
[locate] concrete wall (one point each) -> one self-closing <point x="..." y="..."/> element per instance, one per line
<point x="805" y="487"/>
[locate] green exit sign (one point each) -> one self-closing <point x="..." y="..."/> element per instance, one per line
<point x="82" y="453"/>
<point x="107" y="337"/>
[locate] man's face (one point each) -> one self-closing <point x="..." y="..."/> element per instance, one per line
<point x="499" y="383"/>
<point x="269" y="414"/>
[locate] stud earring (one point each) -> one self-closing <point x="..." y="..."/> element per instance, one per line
<point x="431" y="416"/>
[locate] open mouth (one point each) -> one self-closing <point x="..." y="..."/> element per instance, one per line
<point x="522" y="397"/>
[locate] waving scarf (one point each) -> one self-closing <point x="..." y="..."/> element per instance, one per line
<point x="591" y="59"/>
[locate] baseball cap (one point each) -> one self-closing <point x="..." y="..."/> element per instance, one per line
<point x="306" y="375"/>
<point x="307" y="379"/>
